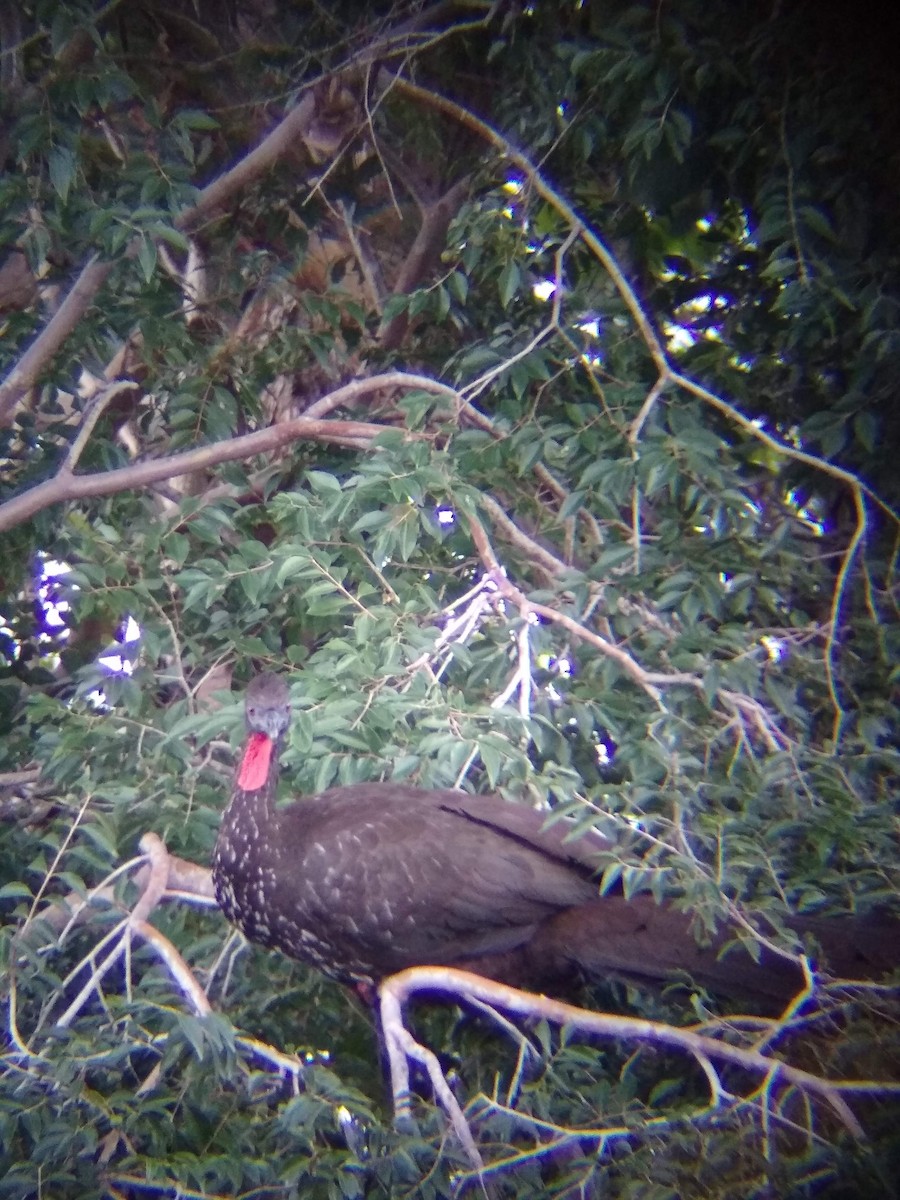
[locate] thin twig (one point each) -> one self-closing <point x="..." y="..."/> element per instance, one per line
<point x="834" y="623"/>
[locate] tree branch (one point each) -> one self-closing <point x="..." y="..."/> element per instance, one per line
<point x="66" y="486"/>
<point x="423" y="254"/>
<point x="667" y="374"/>
<point x="24" y="375"/>
<point x="395" y="991"/>
<point x="63" y="323"/>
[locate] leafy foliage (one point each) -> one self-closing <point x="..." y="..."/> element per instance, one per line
<point x="622" y="546"/>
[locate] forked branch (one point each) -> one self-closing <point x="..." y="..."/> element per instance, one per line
<point x="711" y="1045"/>
<point x="707" y="1050"/>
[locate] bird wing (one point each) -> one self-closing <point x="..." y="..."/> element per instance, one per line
<point x="414" y="876"/>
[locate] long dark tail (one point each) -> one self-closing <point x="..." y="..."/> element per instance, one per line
<point x="644" y="942"/>
<point x="641" y="940"/>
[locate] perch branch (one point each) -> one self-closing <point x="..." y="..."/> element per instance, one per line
<point x="396" y="990"/>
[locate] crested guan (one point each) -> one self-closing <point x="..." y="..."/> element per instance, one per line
<point x="366" y="880"/>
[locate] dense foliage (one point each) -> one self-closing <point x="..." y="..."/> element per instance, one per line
<point x="574" y="328"/>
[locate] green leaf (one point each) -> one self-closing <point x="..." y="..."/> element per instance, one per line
<point x="173" y="237"/>
<point x="394" y="306"/>
<point x="865" y="426"/>
<point x="147" y="258"/>
<point x="458" y="284"/>
<point x="322" y="483"/>
<point x="509" y="283"/>
<point x="817" y="221"/>
<point x="194" y="118"/>
<point x="62" y="165"/>
<point x="15" y="891"/>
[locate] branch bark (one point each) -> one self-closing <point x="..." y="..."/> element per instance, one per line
<point x="395" y="991"/>
<point x="25" y="374"/>
<point x="67" y="486"/>
<point x="423" y="255"/>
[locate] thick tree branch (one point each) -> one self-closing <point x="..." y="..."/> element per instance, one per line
<point x="36" y="358"/>
<point x="283" y="138"/>
<point x="464" y="986"/>
<point x="423" y="255"/>
<point x="65" y="486"/>
<point x="62" y="324"/>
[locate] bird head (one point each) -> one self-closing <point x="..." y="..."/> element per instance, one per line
<point x="267" y="706"/>
<point x="267" y="711"/>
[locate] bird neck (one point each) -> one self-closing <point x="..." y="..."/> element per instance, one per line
<point x="256" y="781"/>
<point x="258" y="762"/>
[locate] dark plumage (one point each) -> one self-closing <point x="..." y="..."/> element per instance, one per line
<point x="364" y="881"/>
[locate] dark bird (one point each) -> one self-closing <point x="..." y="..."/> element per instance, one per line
<point x="364" y="881"/>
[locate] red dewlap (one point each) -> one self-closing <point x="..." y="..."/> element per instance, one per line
<point x="254" y="768"/>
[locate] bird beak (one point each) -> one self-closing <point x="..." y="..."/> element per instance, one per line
<point x="273" y="722"/>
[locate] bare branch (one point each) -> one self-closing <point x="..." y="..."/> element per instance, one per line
<point x="92" y="415"/>
<point x="834" y="623"/>
<point x="651" y="682"/>
<point x="538" y="555"/>
<point x="177" y="967"/>
<point x="155" y="884"/>
<point x="62" y="324"/>
<point x="402" y="1046"/>
<point x="647" y="407"/>
<point x="284" y="136"/>
<point x="395" y="991"/>
<point x="63" y="487"/>
<point x="811" y="460"/>
<point x="19" y="778"/>
<point x="603" y="254"/>
<point x="645" y="679"/>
